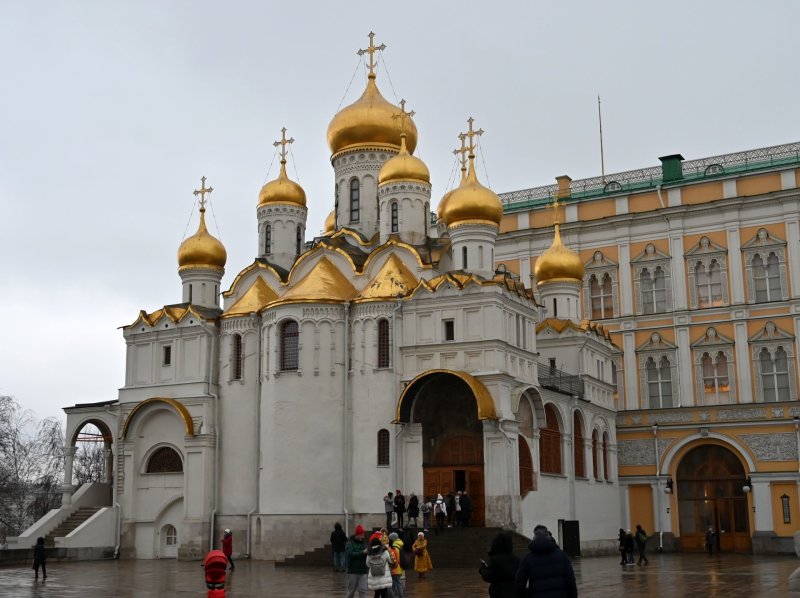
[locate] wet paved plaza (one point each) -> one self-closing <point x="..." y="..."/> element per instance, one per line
<point x="684" y="575"/>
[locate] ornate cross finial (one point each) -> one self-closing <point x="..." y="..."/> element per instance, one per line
<point x="555" y="207"/>
<point x="402" y="115"/>
<point x="462" y="150"/>
<point x="371" y="51"/>
<point x="202" y="193"/>
<point x="471" y="135"/>
<point x="283" y="143"/>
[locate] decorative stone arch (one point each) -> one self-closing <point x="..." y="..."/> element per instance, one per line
<point x="105" y="428"/>
<point x="532" y="394"/>
<point x="675" y="452"/>
<point x="483" y="398"/>
<point x="179" y="408"/>
<point x="579" y="437"/>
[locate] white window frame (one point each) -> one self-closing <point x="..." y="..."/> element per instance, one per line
<point x="650" y="260"/>
<point x="763" y="244"/>
<point x="770" y="338"/>
<point x="599" y="266"/>
<point x="706" y="252"/>
<point x="713" y="344"/>
<point x="657" y="348"/>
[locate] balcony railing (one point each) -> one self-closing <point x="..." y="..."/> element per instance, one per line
<point x="554" y="379"/>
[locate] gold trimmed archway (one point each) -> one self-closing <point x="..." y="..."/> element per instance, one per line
<point x="183" y="413"/>
<point x="483" y="397"/>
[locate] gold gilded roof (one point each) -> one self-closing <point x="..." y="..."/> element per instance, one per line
<point x="558" y="263"/>
<point x="330" y="223"/>
<point x="404" y="167"/>
<point x="471" y="201"/>
<point x="202" y="250"/>
<point x="282" y="190"/>
<point x="175" y="313"/>
<point x="254" y="299"/>
<point x="324" y="283"/>
<point x="369" y="121"/>
<point x="393" y="280"/>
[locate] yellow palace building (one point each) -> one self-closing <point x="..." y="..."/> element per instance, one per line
<point x="693" y="268"/>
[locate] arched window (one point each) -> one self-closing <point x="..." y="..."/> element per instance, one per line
<point x="595" y="455"/>
<point x="464" y="257"/>
<point x="165" y="460"/>
<point x="606" y="468"/>
<point x="709" y="284"/>
<point x="526" y="473"/>
<point x="654" y="291"/>
<point x="659" y="383"/>
<point x="268" y="239"/>
<point x="427" y="217"/>
<point x="290" y="341"/>
<point x="383" y="343"/>
<point x="767" y="278"/>
<point x="578" y="446"/>
<point x="774" y="374"/>
<point x="601" y="297"/>
<point x="170" y="535"/>
<point x="550" y="442"/>
<point x="355" y="195"/>
<point x="236" y="357"/>
<point x="298" y="240"/>
<point x="383" y="448"/>
<point x="716" y="384"/>
<point x="395" y="219"/>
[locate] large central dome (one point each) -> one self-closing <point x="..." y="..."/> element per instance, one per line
<point x="369" y="121"/>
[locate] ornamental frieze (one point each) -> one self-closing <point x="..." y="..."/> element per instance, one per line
<point x="671" y="417"/>
<point x="373" y="309"/>
<point x="243" y="323"/>
<point x="636" y="452"/>
<point x="739" y="413"/>
<point x="772" y="447"/>
<point x="322" y="313"/>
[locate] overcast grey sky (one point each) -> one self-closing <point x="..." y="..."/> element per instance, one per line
<point x="111" y="111"/>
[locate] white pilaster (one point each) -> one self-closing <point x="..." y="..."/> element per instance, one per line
<point x="793" y="247"/>
<point x="622" y="205"/>
<point x="729" y="188"/>
<point x="571" y="212"/>
<point x="686" y="396"/>
<point x="788" y="180"/>
<point x="735" y="261"/>
<point x="523" y="221"/>
<point x="674" y="197"/>
<point x="625" y="283"/>
<point x="678" y="272"/>
<point x="743" y="371"/>
<point x="631" y="371"/>
<point x="525" y="271"/>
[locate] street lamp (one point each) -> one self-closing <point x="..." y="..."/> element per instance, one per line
<point x="747" y="487"/>
<point x="668" y="487"/>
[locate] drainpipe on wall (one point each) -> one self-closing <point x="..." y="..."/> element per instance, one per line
<point x="215" y="478"/>
<point x="346" y="420"/>
<point x="395" y="364"/>
<point x="658" y="492"/>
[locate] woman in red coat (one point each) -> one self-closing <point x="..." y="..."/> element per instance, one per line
<point x="227" y="547"/>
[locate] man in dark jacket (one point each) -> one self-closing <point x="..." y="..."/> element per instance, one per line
<point x="501" y="570"/>
<point x="546" y="571"/>
<point x="357" y="570"/>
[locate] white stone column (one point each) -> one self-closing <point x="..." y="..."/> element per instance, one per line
<point x="735" y="265"/>
<point x="411" y="440"/>
<point x="678" y="272"/>
<point x="67" y="487"/>
<point x="631" y="371"/>
<point x="685" y="373"/>
<point x="625" y="282"/>
<point x="793" y="257"/>
<point x="743" y="364"/>
<point x="108" y="460"/>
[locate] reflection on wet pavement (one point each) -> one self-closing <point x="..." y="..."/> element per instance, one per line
<point x="684" y="575"/>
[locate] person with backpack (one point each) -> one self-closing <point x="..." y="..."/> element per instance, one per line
<point x="425" y="508"/>
<point x="396" y="550"/>
<point x="641" y="543"/>
<point x="379" y="565"/>
<point x="440" y="512"/>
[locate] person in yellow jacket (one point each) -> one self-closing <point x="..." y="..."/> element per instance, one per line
<point x="395" y="547"/>
<point x="422" y="560"/>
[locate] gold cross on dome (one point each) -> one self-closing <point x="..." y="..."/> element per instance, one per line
<point x="371" y="51"/>
<point x="462" y="150"/>
<point x="202" y="192"/>
<point x="555" y="205"/>
<point x="402" y="115"/>
<point x="471" y="135"/>
<point x="283" y="143"/>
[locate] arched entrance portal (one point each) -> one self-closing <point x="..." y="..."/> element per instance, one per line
<point x="450" y="406"/>
<point x="710" y="479"/>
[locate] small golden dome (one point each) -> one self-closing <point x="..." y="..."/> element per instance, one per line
<point x="558" y="263"/>
<point x="471" y="201"/>
<point x="330" y="223"/>
<point x="404" y="167"/>
<point x="282" y="190"/>
<point x="369" y="121"/>
<point x="202" y="250"/>
<point x="443" y="202"/>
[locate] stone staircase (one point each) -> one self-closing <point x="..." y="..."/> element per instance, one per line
<point x="70" y="524"/>
<point x="455" y="547"/>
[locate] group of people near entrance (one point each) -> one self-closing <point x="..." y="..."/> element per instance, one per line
<point x="452" y="510"/>
<point x="628" y="541"/>
<point x="379" y="563"/>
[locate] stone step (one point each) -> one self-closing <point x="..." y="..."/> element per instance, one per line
<point x="70" y="524"/>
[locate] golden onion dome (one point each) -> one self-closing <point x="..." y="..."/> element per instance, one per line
<point x="443" y="202"/>
<point x="404" y="167"/>
<point x="202" y="250"/>
<point x="330" y="223"/>
<point x="369" y="121"/>
<point x="471" y="201"/>
<point x="282" y="190"/>
<point x="558" y="263"/>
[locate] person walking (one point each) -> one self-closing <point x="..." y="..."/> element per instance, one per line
<point x="356" y="551"/>
<point x="396" y="550"/>
<point x="388" y="507"/>
<point x="422" y="560"/>
<point x="440" y="512"/>
<point x="425" y="508"/>
<point x="379" y="565"/>
<point x="39" y="559"/>
<point x="501" y="570"/>
<point x="457" y="509"/>
<point x="629" y="546"/>
<point x="710" y="540"/>
<point x="545" y="570"/>
<point x="338" y="544"/>
<point x="466" y="509"/>
<point x="399" y="508"/>
<point x="641" y="544"/>
<point x="451" y="508"/>
<point x="227" y="547"/>
<point x="621" y="540"/>
<point x="413" y="509"/>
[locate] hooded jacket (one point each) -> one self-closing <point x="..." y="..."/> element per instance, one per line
<point x="378" y="553"/>
<point x="547" y="569"/>
<point x="501" y="569"/>
<point x="355" y="556"/>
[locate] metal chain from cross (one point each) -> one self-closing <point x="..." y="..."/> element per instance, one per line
<point x="403" y="115"/>
<point x="471" y="135"/>
<point x="283" y="143"/>
<point x="202" y="193"/>
<point x="371" y="51"/>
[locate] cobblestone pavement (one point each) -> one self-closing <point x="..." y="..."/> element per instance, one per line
<point x="683" y="575"/>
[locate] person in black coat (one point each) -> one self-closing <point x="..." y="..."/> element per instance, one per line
<point x="338" y="544"/>
<point x="545" y="572"/>
<point x="413" y="509"/>
<point x="621" y="540"/>
<point x="501" y="570"/>
<point x="39" y="559"/>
